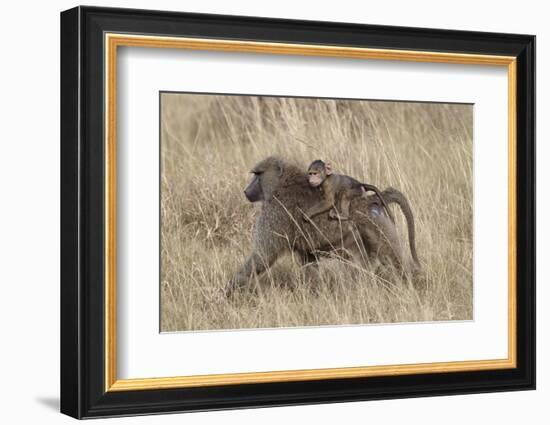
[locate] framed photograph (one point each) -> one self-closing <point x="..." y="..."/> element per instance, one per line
<point x="260" y="212"/>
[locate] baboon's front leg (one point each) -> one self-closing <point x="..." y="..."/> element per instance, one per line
<point x="317" y="209"/>
<point x="254" y="265"/>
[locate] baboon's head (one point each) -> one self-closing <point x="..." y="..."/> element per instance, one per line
<point x="318" y="172"/>
<point x="266" y="177"/>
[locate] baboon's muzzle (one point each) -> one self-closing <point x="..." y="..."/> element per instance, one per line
<point x="253" y="192"/>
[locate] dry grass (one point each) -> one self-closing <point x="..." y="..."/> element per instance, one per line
<point x="208" y="144"/>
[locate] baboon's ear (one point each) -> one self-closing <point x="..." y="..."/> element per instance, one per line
<point x="328" y="168"/>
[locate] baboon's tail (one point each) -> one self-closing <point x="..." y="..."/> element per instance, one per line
<point x="372" y="188"/>
<point x="393" y="195"/>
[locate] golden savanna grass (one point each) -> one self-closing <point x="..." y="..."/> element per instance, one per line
<point x="210" y="142"/>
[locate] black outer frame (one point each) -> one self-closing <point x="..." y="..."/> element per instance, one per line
<point x="82" y="212"/>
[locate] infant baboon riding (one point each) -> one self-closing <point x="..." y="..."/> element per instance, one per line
<point x="285" y="193"/>
<point x="337" y="187"/>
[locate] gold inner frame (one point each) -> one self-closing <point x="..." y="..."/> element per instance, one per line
<point x="113" y="41"/>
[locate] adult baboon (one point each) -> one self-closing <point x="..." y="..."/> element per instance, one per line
<point x="286" y="195"/>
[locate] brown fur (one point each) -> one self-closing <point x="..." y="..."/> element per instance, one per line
<point x="337" y="187"/>
<point x="279" y="229"/>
